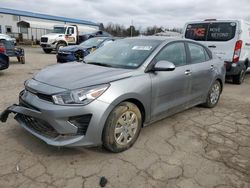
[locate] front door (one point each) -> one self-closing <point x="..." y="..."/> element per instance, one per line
<point x="170" y="89"/>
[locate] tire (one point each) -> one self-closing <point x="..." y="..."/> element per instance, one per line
<point x="213" y="95"/>
<point x="239" y="79"/>
<point x="22" y="60"/>
<point x="59" y="45"/>
<point x="47" y="51"/>
<point x="119" y="121"/>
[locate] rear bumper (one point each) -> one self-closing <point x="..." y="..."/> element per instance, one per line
<point x="234" y="69"/>
<point x="4" y="61"/>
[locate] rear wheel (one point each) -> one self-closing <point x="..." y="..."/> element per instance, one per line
<point x="122" y="127"/>
<point x="213" y="95"/>
<point x="47" y="51"/>
<point x="239" y="79"/>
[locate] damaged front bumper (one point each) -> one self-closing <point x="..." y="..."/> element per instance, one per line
<point x="29" y="120"/>
<point x="60" y="125"/>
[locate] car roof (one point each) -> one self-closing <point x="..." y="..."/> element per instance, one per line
<point x="160" y="38"/>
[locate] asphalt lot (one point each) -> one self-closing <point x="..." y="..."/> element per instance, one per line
<point x="207" y="148"/>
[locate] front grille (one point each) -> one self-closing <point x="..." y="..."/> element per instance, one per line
<point x="44" y="39"/>
<point x="82" y="123"/>
<point x="39" y="126"/>
<point x="42" y="96"/>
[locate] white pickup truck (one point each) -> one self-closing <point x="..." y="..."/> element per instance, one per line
<point x="64" y="35"/>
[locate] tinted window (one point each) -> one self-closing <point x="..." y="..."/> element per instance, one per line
<point x="219" y="31"/>
<point x="70" y="30"/>
<point x="174" y="53"/>
<point x="197" y="53"/>
<point x="197" y="31"/>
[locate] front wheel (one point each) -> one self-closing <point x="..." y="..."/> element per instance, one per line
<point x="122" y="127"/>
<point x="213" y="95"/>
<point x="60" y="45"/>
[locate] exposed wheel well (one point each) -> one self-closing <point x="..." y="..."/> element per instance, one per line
<point x="139" y="105"/>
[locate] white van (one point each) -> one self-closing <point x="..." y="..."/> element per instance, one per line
<point x="228" y="39"/>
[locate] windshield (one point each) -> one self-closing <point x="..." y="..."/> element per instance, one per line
<point x="92" y="42"/>
<point x="125" y="53"/>
<point x="59" y="30"/>
<point x="217" y="31"/>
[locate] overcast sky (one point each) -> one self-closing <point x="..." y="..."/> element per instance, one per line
<point x="166" y="13"/>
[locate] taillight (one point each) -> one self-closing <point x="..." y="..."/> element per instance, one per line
<point x="2" y="49"/>
<point x="237" y="51"/>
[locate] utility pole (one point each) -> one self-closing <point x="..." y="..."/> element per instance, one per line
<point x="131" y="30"/>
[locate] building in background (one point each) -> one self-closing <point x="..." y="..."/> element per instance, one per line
<point x="25" y="25"/>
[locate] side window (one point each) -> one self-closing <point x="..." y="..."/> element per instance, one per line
<point x="197" y="53"/>
<point x="70" y="31"/>
<point x="174" y="53"/>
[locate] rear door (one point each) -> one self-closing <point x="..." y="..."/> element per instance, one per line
<point x="202" y="72"/>
<point x="220" y="37"/>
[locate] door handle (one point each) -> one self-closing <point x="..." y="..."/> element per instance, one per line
<point x="188" y="72"/>
<point x="212" y="67"/>
<point x="212" y="46"/>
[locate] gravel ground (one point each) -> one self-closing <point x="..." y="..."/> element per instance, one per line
<point x="207" y="148"/>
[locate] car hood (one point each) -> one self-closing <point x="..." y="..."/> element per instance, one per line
<point x="72" y="48"/>
<point x="53" y="35"/>
<point x="78" y="75"/>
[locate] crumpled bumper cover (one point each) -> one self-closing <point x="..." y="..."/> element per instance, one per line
<point x="60" y="140"/>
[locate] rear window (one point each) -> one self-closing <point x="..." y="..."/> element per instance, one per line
<point x="218" y="31"/>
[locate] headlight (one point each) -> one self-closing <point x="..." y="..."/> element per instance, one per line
<point x="80" y="96"/>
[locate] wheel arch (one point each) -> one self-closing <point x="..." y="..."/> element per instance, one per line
<point x="62" y="42"/>
<point x="221" y="83"/>
<point x="140" y="105"/>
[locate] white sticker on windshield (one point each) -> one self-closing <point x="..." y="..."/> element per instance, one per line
<point x="233" y="24"/>
<point x="147" y="48"/>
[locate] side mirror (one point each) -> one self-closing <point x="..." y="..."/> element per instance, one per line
<point x="164" y="66"/>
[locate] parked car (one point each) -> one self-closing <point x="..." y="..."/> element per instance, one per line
<point x="4" y="59"/>
<point x="78" y="52"/>
<point x="12" y="51"/>
<point x="7" y="37"/>
<point x="119" y="89"/>
<point x="229" y="39"/>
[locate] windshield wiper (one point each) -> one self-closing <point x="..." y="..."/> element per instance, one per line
<point x="100" y="64"/>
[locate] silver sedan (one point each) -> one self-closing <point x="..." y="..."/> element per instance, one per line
<point x="117" y="90"/>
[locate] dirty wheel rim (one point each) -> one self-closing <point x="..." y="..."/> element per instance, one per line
<point x="215" y="93"/>
<point x="126" y="127"/>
